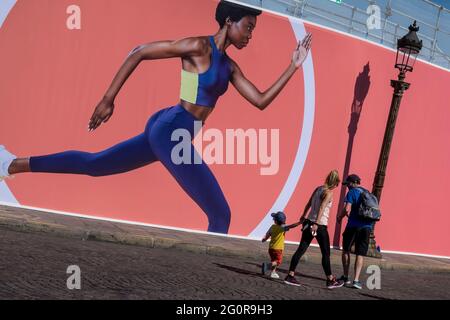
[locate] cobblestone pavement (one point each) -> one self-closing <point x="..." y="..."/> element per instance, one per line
<point x="33" y="266"/>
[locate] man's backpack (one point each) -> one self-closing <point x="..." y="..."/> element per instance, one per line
<point x="369" y="208"/>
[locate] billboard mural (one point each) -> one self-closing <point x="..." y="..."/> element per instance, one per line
<point x="58" y="59"/>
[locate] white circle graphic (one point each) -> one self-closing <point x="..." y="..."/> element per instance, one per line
<point x="305" y="139"/>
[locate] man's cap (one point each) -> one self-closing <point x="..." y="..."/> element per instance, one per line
<point x="279" y="217"/>
<point x="353" y="178"/>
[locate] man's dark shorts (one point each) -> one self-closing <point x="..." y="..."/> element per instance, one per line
<point x="359" y="236"/>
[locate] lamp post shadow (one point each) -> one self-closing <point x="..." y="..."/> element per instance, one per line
<point x="361" y="90"/>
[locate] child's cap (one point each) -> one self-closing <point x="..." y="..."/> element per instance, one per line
<point x="279" y="217"/>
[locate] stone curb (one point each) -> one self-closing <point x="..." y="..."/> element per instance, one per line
<point x="168" y="243"/>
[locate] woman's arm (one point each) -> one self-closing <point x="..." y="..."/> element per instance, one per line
<point x="262" y="99"/>
<point x="308" y="205"/>
<point x="154" y="51"/>
<point x="157" y="50"/>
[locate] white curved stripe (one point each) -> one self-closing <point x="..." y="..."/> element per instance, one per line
<point x="305" y="139"/>
<point x="6" y="194"/>
<point x="5" y="8"/>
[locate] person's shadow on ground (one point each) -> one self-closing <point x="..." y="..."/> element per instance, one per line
<point x="259" y="275"/>
<point x="281" y="280"/>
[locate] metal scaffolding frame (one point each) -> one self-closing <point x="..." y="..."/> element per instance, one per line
<point x="355" y="22"/>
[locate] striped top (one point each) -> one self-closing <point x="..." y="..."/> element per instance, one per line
<point x="204" y="89"/>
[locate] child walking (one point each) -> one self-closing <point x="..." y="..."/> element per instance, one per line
<point x="276" y="233"/>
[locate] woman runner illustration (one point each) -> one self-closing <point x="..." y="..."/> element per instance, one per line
<point x="206" y="72"/>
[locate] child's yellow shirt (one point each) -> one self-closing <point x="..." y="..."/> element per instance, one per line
<point x="277" y="234"/>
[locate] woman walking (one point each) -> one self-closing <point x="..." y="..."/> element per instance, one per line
<point x="315" y="225"/>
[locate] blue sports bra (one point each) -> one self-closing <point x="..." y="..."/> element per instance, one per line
<point x="204" y="89"/>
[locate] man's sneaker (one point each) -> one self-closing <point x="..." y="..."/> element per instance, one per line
<point x="292" y="281"/>
<point x="333" y="283"/>
<point x="5" y="161"/>
<point x="274" y="275"/>
<point x="264" y="268"/>
<point x="346" y="281"/>
<point x="357" y="285"/>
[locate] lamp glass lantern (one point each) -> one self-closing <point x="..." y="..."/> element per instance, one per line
<point x="408" y="48"/>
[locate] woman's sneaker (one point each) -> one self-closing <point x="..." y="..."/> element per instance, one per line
<point x="5" y="161"/>
<point x="333" y="283"/>
<point x="290" y="280"/>
<point x="347" y="282"/>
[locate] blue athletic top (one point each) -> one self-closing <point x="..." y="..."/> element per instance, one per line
<point x="205" y="88"/>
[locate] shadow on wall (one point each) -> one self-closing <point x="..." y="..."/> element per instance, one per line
<point x="361" y="90"/>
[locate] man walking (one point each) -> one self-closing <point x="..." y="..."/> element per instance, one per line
<point x="357" y="231"/>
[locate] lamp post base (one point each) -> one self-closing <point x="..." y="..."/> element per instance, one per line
<point x="373" y="252"/>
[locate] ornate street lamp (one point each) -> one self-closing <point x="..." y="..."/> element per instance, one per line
<point x="408" y="48"/>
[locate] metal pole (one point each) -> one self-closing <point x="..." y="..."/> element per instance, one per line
<point x="304" y="4"/>
<point x="388" y="13"/>
<point x="400" y="86"/>
<point x="433" y="50"/>
<point x="297" y="8"/>
<point x="395" y="35"/>
<point x="351" y="20"/>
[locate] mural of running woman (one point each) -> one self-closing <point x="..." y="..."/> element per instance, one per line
<point x="206" y="73"/>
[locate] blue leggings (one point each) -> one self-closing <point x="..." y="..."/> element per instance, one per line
<point x="154" y="144"/>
